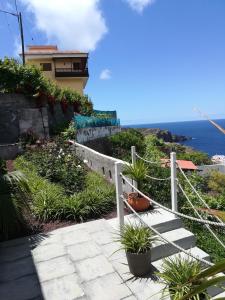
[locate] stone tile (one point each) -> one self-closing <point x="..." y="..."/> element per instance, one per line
<point x="103" y="237"/>
<point x="108" y="287"/>
<point x="54" y="268"/>
<point x="13" y="253"/>
<point x="113" y="251"/>
<point x="47" y="252"/>
<point x="92" y="268"/>
<point x="75" y="237"/>
<point x="130" y="298"/>
<point x="63" y="288"/>
<point x="98" y="225"/>
<point x="24" y="288"/>
<point x="83" y="250"/>
<point x="51" y="239"/>
<point x="16" y="269"/>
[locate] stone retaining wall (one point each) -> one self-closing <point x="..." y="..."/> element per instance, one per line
<point x="100" y="163"/>
<point x="89" y="134"/>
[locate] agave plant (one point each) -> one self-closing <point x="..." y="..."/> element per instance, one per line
<point x="206" y="279"/>
<point x="137" y="172"/>
<point x="177" y="275"/>
<point x="136" y="238"/>
<point x="14" y="199"/>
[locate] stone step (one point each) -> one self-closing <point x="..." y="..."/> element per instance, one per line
<point x="160" y="219"/>
<point x="180" y="236"/>
<point x="195" y="251"/>
<point x="217" y="291"/>
<point x="221" y="295"/>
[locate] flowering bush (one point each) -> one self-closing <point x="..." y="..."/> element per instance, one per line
<point x="56" y="162"/>
<point x="29" y="80"/>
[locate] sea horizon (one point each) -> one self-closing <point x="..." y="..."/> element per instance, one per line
<point x="204" y="136"/>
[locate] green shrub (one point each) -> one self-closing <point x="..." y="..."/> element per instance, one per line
<point x="51" y="203"/>
<point x="58" y="163"/>
<point x="154" y="148"/>
<point x="216" y="182"/>
<point x="176" y="274"/>
<point x="121" y="143"/>
<point x="14" y="201"/>
<point x="197" y="157"/>
<point x="136" y="238"/>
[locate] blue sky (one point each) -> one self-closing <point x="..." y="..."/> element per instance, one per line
<point x="152" y="61"/>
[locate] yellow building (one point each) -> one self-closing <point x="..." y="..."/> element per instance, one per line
<point x="66" y="68"/>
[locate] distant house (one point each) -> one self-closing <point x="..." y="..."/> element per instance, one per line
<point x="185" y="165"/>
<point x="66" y="68"/>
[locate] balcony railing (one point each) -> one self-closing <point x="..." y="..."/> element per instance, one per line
<point x="70" y="72"/>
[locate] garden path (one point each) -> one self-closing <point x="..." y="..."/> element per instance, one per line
<point x="82" y="262"/>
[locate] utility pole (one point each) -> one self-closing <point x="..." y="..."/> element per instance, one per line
<point x="19" y="16"/>
<point x="21" y="35"/>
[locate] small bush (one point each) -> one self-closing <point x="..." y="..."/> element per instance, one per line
<point x="136" y="238"/>
<point x="121" y="143"/>
<point x="51" y="203"/>
<point x="56" y="162"/>
<point x="216" y="182"/>
<point x="197" y="157"/>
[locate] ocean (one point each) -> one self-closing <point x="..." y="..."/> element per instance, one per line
<point x="205" y="137"/>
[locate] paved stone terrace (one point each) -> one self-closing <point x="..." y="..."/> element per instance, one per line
<point x="76" y="262"/>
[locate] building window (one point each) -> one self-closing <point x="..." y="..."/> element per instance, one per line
<point x="76" y="66"/>
<point x="46" y="66"/>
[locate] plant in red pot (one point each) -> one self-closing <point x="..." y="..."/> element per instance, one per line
<point x="138" y="172"/>
<point x="51" y="103"/>
<point x="64" y="105"/>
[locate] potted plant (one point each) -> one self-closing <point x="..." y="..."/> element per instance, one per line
<point x="137" y="241"/>
<point x="180" y="277"/>
<point x="138" y="172"/>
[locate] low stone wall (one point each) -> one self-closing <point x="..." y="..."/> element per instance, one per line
<point x="100" y="163"/>
<point x="87" y="134"/>
<point x="206" y="169"/>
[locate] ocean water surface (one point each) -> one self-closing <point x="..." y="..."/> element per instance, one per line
<point x="205" y="137"/>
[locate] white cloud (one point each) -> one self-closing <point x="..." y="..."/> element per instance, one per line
<point x="139" y="5"/>
<point x="17" y="47"/>
<point x="72" y="24"/>
<point x="105" y="74"/>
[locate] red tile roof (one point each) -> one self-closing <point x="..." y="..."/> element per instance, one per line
<point x="183" y="164"/>
<point x="49" y="49"/>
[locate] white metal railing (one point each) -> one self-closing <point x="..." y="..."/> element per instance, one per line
<point x="174" y="192"/>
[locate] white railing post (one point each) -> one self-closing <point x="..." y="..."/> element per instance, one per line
<point x="173" y="167"/>
<point x="119" y="192"/>
<point x="133" y="160"/>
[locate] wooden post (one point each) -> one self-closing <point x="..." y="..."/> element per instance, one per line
<point x="173" y="167"/>
<point x="119" y="192"/>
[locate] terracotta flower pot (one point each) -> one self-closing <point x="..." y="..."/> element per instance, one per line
<point x="64" y="105"/>
<point x="76" y="107"/>
<point x="51" y="103"/>
<point x="137" y="202"/>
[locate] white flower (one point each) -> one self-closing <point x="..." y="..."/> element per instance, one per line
<point x="79" y="166"/>
<point x="85" y="161"/>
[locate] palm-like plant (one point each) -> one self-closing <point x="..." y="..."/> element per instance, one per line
<point x="138" y="172"/>
<point x="177" y="276"/>
<point x="206" y="279"/>
<point x="14" y="199"/>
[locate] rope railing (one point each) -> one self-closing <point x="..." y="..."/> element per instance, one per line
<point x="159" y="179"/>
<point x="165" y="239"/>
<point x="147" y="161"/>
<point x="198" y="214"/>
<point x="170" y="210"/>
<point x="196" y="192"/>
